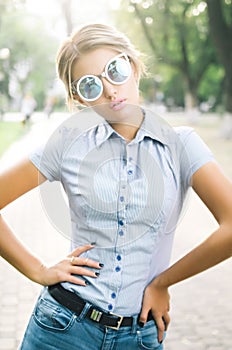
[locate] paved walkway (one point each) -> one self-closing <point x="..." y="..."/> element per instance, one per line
<point x="201" y="307"/>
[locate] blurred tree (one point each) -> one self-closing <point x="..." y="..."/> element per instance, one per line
<point x="220" y="21"/>
<point x="5" y="7"/>
<point x="177" y="39"/>
<point x="8" y="6"/>
<point x="177" y="33"/>
<point x="30" y="66"/>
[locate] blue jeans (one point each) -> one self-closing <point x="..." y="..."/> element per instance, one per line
<point x="54" y="327"/>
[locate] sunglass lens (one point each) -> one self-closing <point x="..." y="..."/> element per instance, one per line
<point x="118" y="70"/>
<point x="90" y="88"/>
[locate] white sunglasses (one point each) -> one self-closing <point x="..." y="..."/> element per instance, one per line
<point x="89" y="87"/>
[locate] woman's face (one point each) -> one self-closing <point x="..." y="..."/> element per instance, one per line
<point x="115" y="100"/>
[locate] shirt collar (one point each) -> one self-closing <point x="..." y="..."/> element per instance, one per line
<point x="153" y="126"/>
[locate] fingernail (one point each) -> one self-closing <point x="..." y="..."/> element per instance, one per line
<point x="161" y="341"/>
<point x="101" y="265"/>
<point x="93" y="243"/>
<point x="87" y="283"/>
<point x="141" y="324"/>
<point x="97" y="274"/>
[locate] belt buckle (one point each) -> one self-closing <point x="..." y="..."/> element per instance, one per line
<point x="119" y="321"/>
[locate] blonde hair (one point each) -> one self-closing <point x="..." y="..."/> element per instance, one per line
<point x="87" y="38"/>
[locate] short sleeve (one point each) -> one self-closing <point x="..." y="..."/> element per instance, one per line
<point x="194" y="153"/>
<point x="48" y="157"/>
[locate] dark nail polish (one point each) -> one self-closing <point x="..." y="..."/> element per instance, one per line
<point x="93" y="243"/>
<point x="161" y="341"/>
<point x="101" y="265"/>
<point x="97" y="274"/>
<point x="87" y="283"/>
<point x="141" y="324"/>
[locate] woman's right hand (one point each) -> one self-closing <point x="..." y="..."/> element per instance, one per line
<point x="67" y="269"/>
<point x="19" y="256"/>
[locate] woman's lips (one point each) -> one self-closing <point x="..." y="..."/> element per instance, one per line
<point x="118" y="104"/>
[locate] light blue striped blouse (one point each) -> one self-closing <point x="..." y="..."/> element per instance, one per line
<point x="125" y="197"/>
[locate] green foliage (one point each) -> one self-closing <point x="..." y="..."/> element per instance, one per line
<point x="9" y="132"/>
<point x="227" y="11"/>
<point x="31" y="64"/>
<point x="210" y="85"/>
<point x="175" y="37"/>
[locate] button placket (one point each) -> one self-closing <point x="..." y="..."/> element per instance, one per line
<point x="122" y="200"/>
<point x="116" y="282"/>
<point x="113" y="292"/>
<point x="121" y="230"/>
<point x="130" y="160"/>
<point x="112" y="299"/>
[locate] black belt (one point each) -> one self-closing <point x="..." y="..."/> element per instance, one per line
<point x="76" y="304"/>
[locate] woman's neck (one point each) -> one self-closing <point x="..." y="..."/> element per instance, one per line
<point x="128" y="132"/>
<point x="128" y="129"/>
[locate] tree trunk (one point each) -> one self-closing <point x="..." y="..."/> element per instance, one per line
<point x="221" y="35"/>
<point x="190" y="99"/>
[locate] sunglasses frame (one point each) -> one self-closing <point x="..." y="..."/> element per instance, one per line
<point x="75" y="85"/>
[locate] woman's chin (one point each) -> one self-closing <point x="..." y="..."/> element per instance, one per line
<point x="120" y="113"/>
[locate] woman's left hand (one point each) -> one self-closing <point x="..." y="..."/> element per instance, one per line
<point x="156" y="299"/>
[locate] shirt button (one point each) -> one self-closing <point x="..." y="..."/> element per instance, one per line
<point x="118" y="268"/>
<point x="119" y="257"/>
<point x="122" y="198"/>
<point x="113" y="295"/>
<point x="130" y="159"/>
<point x="121" y="223"/>
<point x="121" y="233"/>
<point x="130" y="172"/>
<point x="110" y="307"/>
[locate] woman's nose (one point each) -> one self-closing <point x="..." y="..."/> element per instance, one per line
<point x="109" y="89"/>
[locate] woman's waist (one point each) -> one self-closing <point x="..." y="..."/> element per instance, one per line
<point x="123" y="300"/>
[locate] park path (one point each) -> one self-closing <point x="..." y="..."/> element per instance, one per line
<point x="201" y="307"/>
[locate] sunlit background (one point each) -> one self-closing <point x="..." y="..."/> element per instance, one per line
<point x="81" y="12"/>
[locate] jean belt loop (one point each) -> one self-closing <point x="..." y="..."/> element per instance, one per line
<point x="84" y="311"/>
<point x="134" y="324"/>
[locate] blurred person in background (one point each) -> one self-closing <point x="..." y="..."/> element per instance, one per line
<point x="49" y="105"/>
<point x="28" y="106"/>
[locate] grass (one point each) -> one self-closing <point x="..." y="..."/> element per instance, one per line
<point x="9" y="132"/>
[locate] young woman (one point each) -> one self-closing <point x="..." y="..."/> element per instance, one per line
<point x="126" y="177"/>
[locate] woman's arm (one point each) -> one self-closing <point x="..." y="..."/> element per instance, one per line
<point x="215" y="190"/>
<point x="14" y="183"/>
<point x="18" y="180"/>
